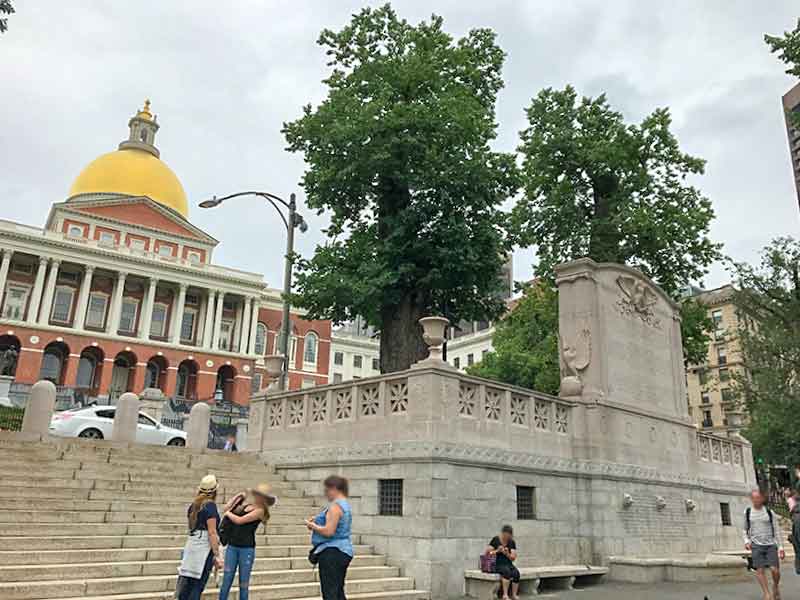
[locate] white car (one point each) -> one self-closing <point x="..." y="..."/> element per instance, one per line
<point x="97" y="422"/>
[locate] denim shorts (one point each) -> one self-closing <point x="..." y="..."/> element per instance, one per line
<point x="765" y="557"/>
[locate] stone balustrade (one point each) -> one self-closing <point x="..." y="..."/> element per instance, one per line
<point x="409" y="406"/>
<point x="720" y="450"/>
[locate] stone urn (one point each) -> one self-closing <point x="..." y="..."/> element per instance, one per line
<point x="274" y="366"/>
<point x="433" y="332"/>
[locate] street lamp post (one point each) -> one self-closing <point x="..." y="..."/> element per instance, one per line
<point x="291" y="220"/>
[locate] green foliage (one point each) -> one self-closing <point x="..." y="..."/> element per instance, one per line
<point x="768" y="305"/>
<point x="526" y="343"/>
<point x="398" y="154"/>
<point x="696" y="326"/>
<point x="597" y="187"/>
<point x="11" y="418"/>
<point x="5" y="9"/>
<point x="788" y="50"/>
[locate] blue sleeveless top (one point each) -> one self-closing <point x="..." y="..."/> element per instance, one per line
<point x="341" y="537"/>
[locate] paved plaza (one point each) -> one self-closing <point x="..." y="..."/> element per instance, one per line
<point x="790" y="588"/>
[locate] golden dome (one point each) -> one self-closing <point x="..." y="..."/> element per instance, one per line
<point x="134" y="173"/>
<point x="135" y="169"/>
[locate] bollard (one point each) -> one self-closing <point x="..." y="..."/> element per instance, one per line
<point x="126" y="418"/>
<point x="197" y="431"/>
<point x="39" y="410"/>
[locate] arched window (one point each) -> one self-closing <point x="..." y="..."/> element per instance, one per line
<point x="151" y="375"/>
<point x="53" y="359"/>
<point x="261" y="339"/>
<point x="86" y="367"/>
<point x="310" y="348"/>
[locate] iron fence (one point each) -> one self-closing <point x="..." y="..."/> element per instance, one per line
<point x="11" y="418"/>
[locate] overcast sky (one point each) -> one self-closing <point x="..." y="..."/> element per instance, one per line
<point x="223" y="77"/>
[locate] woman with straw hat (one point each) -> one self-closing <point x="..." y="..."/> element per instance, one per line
<point x="242" y="520"/>
<point x="201" y="551"/>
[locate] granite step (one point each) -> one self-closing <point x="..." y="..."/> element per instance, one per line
<point x="255" y="594"/>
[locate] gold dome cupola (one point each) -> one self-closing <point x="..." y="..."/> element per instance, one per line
<point x="136" y="169"/>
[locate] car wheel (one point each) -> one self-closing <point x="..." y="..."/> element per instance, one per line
<point x="91" y="433"/>
<point x="176" y="442"/>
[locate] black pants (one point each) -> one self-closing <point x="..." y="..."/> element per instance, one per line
<point x="333" y="565"/>
<point x="189" y="588"/>
<point x="509" y="573"/>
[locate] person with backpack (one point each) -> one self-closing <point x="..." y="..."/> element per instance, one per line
<point x="201" y="552"/>
<point x="762" y="537"/>
<point x="793" y="501"/>
<point x="504" y="548"/>
<point x="238" y="533"/>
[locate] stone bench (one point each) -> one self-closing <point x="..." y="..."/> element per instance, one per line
<point x="484" y="586"/>
<point x="695" y="568"/>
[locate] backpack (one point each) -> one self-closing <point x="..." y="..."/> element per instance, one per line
<point x="226" y="526"/>
<point x="769" y="514"/>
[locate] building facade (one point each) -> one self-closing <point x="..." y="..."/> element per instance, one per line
<point x="791" y="106"/>
<point x="118" y="292"/>
<point x="709" y="386"/>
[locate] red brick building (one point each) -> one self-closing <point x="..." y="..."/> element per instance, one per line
<point x="118" y="292"/>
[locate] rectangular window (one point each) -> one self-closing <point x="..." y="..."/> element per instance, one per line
<point x="187" y="325"/>
<point x="390" y="497"/>
<point x="716" y="316"/>
<point x="727" y="394"/>
<point x="24" y="268"/>
<point x="107" y="239"/>
<point x="484" y="353"/>
<point x="136" y="244"/>
<point x="357" y="360"/>
<point x="158" y="323"/>
<point x="457" y="362"/>
<point x="526" y="502"/>
<point x="705" y="398"/>
<point x="725" y="514"/>
<point x="308" y="383"/>
<point x="724" y="375"/>
<point x="722" y="355"/>
<point x="127" y="317"/>
<point x="470" y="360"/>
<point x="96" y="311"/>
<point x="75" y="231"/>
<point x="226" y="335"/>
<point x="337" y="378"/>
<point x="16" y="301"/>
<point x="192" y="300"/>
<point x="193" y="257"/>
<point x="702" y="376"/>
<point x="62" y="305"/>
<point x="707" y="420"/>
<point x="167" y="251"/>
<point x="338" y="358"/>
<point x="68" y="277"/>
<point x="376" y="364"/>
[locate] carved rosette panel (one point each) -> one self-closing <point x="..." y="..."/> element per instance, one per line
<point x="398" y="397"/>
<point x="467" y="399"/>
<point x="562" y="419"/>
<point x="737" y="455"/>
<point x="319" y="408"/>
<point x="275" y="414"/>
<point x="370" y="400"/>
<point x="493" y="406"/>
<point x="343" y="405"/>
<point x="726" y="453"/>
<point x="296" y="411"/>
<point x="541" y="415"/>
<point x="716" y="451"/>
<point x="705" y="448"/>
<point x="519" y="410"/>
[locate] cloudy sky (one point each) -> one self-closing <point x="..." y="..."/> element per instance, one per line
<point x="223" y="77"/>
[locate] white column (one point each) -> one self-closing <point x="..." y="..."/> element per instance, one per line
<point x="237" y="326"/>
<point x="220" y="303"/>
<point x="251" y="347"/>
<point x="49" y="291"/>
<point x="200" y="329"/>
<point x="4" y="272"/>
<point x="208" y="327"/>
<point x="83" y="297"/>
<point x="245" y="326"/>
<point x="112" y="326"/>
<point x="36" y="295"/>
<point x="146" y="312"/>
<point x="177" y="314"/>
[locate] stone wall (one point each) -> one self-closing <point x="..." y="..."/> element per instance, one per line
<point x="617" y="467"/>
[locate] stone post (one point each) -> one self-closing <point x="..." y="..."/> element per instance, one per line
<point x="199" y="422"/>
<point x="39" y="410"/>
<point x="241" y="434"/>
<point x="126" y="418"/>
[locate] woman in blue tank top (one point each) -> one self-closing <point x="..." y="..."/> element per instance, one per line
<point x="331" y="538"/>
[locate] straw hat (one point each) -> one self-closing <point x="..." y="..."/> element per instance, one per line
<point x="265" y="491"/>
<point x="208" y="484"/>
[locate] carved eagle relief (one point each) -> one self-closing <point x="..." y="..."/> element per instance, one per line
<point x="575" y="356"/>
<point x="638" y="293"/>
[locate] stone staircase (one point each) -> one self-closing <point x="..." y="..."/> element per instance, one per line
<point x="101" y="521"/>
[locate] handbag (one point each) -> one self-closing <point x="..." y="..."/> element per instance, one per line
<point x="313" y="557"/>
<point x="488" y="563"/>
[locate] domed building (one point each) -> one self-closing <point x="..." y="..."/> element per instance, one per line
<point x="118" y="292"/>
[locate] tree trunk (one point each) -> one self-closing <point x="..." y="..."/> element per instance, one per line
<point x="401" y="335"/>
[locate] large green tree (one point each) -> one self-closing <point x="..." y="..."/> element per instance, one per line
<point x="787" y="47"/>
<point x="768" y="305"/>
<point x="6" y="8"/>
<point x="398" y="154"/>
<point x="598" y="187"/>
<point x="526" y="343"/>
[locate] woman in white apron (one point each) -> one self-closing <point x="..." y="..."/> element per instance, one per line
<point x="201" y="551"/>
